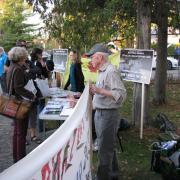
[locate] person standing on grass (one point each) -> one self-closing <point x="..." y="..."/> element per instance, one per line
<point x="109" y="94"/>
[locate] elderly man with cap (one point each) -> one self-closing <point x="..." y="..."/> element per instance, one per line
<point x="109" y="94"/>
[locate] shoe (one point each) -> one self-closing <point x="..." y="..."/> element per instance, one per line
<point x="95" y="145"/>
<point x="27" y="143"/>
<point x="36" y="140"/>
<point x="94" y="177"/>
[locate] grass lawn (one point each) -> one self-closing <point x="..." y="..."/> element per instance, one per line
<point x="135" y="161"/>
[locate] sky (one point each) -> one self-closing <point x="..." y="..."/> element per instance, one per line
<point x="35" y="19"/>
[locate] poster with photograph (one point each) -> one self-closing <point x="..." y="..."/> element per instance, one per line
<point x="136" y="65"/>
<point x="60" y="57"/>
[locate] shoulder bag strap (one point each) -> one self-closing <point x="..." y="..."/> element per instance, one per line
<point x="10" y="85"/>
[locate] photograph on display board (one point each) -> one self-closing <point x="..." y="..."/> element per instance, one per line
<point x="136" y="65"/>
<point x="60" y="57"/>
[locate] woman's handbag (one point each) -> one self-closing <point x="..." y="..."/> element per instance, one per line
<point x="12" y="107"/>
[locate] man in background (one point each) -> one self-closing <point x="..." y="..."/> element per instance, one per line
<point x="3" y="59"/>
<point x="177" y="54"/>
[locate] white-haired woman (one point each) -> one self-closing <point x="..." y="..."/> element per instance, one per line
<point x="16" y="80"/>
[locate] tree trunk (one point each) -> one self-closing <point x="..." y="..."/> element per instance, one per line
<point x="143" y="42"/>
<point x="161" y="66"/>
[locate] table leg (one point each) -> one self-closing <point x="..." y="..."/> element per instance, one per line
<point x="44" y="128"/>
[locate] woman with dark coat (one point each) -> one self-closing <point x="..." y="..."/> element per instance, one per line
<point x="37" y="63"/>
<point x="16" y="80"/>
<point x="37" y="59"/>
<point x="76" y="77"/>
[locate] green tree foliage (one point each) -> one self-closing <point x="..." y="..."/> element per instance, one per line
<point x="124" y="16"/>
<point x="14" y="13"/>
<point x="82" y="23"/>
<point x="173" y="12"/>
<point x="165" y="14"/>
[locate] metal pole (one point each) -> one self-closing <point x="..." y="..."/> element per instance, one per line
<point x="178" y="78"/>
<point x="142" y="111"/>
<point x="62" y="79"/>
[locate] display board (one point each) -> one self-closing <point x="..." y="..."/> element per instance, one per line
<point x="136" y="65"/>
<point x="60" y="57"/>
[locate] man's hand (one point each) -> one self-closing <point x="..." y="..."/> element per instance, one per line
<point x="102" y="91"/>
<point x="94" y="89"/>
<point x="72" y="101"/>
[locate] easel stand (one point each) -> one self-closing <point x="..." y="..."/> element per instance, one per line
<point x="142" y="111"/>
<point x="59" y="79"/>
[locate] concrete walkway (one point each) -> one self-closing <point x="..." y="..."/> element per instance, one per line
<point x="6" y="132"/>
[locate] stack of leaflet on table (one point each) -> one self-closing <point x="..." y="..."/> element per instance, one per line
<point x="53" y="107"/>
<point x="66" y="111"/>
<point x="60" y="93"/>
<point x="57" y="92"/>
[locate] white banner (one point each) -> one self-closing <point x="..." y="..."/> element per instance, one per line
<point x="65" y="155"/>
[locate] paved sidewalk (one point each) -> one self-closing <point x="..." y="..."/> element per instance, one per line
<point x="5" y="143"/>
<point x="6" y="132"/>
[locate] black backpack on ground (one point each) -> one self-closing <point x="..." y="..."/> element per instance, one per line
<point x="166" y="159"/>
<point x="123" y="124"/>
<point x="166" y="152"/>
<point x="164" y="124"/>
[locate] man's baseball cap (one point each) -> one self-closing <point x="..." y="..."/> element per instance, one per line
<point x="99" y="47"/>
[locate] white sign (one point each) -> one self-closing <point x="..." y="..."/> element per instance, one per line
<point x="136" y="65"/>
<point x="65" y="155"/>
<point x="60" y="57"/>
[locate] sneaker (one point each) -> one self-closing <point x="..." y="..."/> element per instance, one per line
<point x="27" y="143"/>
<point x="95" y="145"/>
<point x="36" y="140"/>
